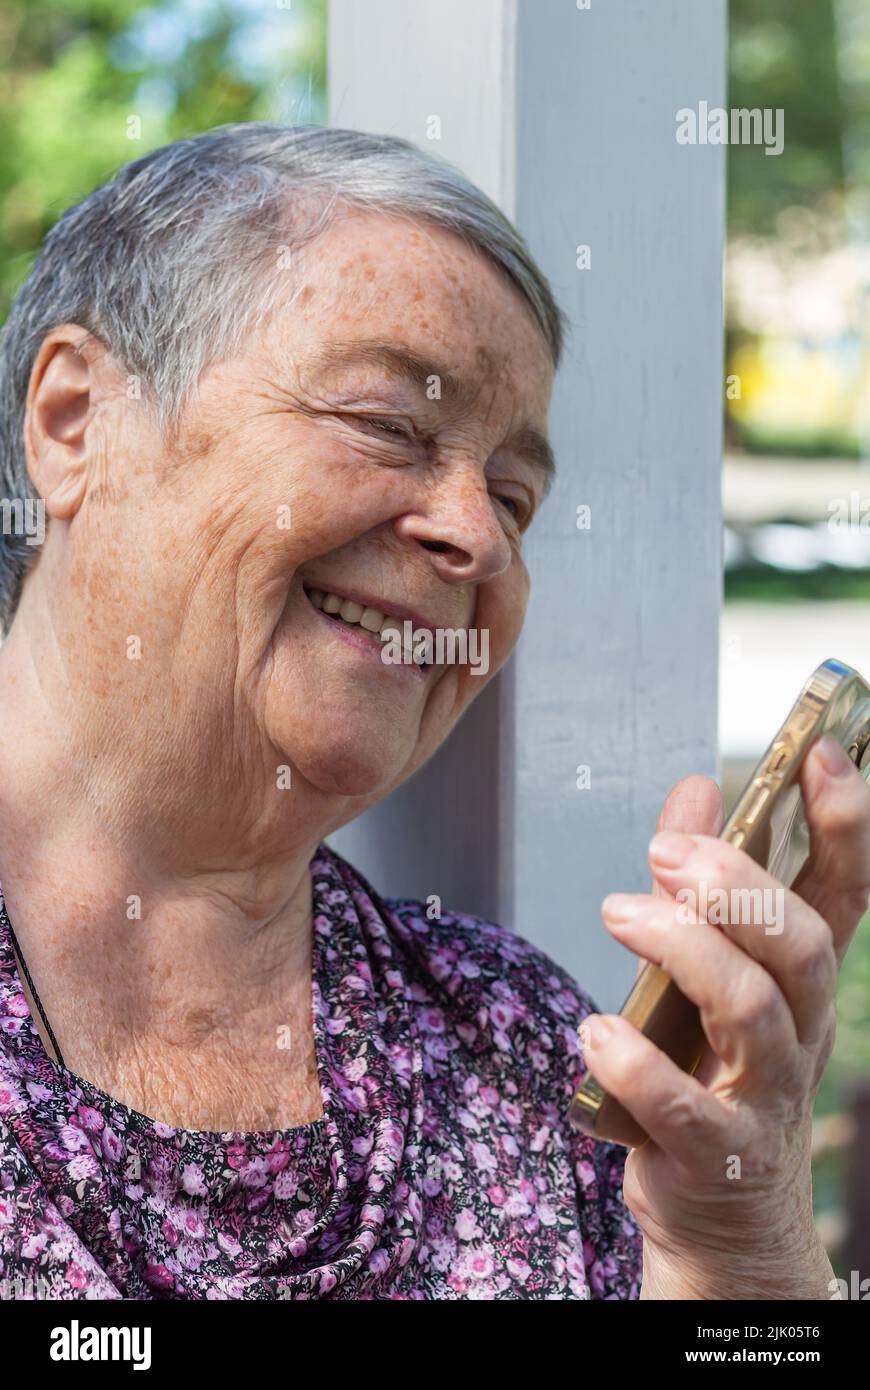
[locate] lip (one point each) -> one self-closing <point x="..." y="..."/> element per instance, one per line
<point x="367" y="644"/>
<point x="389" y="610"/>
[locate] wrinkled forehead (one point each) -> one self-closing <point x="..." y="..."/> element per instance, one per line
<point x="375" y="280"/>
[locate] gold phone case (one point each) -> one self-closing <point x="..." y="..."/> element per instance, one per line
<point x="769" y="824"/>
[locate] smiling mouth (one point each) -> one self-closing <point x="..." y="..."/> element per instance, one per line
<point x="370" y="622"/>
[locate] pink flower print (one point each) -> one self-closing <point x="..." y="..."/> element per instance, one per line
<point x="158" y="1276"/>
<point x="585" y="1174"/>
<point x="259" y="1199"/>
<point x="34" y="1245"/>
<point x="303" y="1219"/>
<point x="229" y="1244"/>
<point x="170" y="1231"/>
<point x="516" y="1205"/>
<point x="83" y="1166"/>
<point x="193" y="1225"/>
<point x="89" y="1118"/>
<point x="433" y="1021"/>
<point x="10" y="1099"/>
<point x="379" y="1261"/>
<point x="76" y="1276"/>
<point x="192" y="1180"/>
<point x="255" y="1174"/>
<point x="286" y="1184"/>
<point x="111" y="1145"/>
<point x="189" y="1256"/>
<point x="481" y="1264"/>
<point x="73" y="1138"/>
<point x="502" y="1016"/>
<point x="37" y="1091"/>
<point x="466" y="1225"/>
<point x="575" y="1268"/>
<point x="165" y="1132"/>
<point x="483" y="1158"/>
<point x="519" y="1270"/>
<point x="596" y="1277"/>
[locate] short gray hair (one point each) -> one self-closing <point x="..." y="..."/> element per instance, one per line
<point x="165" y="264"/>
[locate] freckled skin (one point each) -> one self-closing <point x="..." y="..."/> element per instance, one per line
<point x="169" y="762"/>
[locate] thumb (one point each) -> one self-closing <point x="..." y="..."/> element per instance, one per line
<point x="693" y="806"/>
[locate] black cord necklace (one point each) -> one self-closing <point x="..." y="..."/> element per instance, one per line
<point x="32" y="987"/>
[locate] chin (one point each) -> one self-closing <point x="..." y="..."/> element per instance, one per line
<point x="351" y="766"/>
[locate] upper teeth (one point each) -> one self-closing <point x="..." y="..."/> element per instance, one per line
<point x="372" y="619"/>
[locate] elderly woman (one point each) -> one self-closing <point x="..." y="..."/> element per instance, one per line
<point x="280" y="393"/>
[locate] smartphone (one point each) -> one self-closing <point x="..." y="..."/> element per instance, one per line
<point x="768" y="822"/>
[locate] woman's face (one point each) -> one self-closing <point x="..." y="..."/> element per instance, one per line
<point x="380" y="438"/>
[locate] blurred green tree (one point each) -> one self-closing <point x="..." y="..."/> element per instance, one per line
<point x="788" y="54"/>
<point x="87" y="85"/>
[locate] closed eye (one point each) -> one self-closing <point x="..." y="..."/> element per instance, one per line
<point x="392" y="429"/>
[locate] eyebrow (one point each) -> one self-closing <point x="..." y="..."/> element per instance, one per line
<point x="409" y="366"/>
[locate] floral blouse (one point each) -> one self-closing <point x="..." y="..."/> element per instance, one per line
<point x="442" y="1167"/>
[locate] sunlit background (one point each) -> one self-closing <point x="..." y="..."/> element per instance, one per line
<point x="86" y="85"/>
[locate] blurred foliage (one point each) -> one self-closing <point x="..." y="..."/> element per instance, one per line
<point x="783" y="53"/>
<point x="73" y="73"/>
<point x="768" y="584"/>
<point x="799" y="342"/>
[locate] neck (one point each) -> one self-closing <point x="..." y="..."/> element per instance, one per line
<point x="149" y="952"/>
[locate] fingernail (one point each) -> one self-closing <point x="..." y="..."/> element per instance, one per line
<point x="670" y="849"/>
<point x="597" y="1030"/>
<point x="621" y="907"/>
<point x="833" y="756"/>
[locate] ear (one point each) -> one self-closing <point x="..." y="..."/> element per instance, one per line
<point x="59" y="408"/>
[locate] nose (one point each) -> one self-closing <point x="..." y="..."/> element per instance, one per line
<point x="458" y="527"/>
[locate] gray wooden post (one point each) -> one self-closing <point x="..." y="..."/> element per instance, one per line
<point x="566" y="115"/>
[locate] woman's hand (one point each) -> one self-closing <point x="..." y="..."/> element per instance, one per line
<point x="722" y="1189"/>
